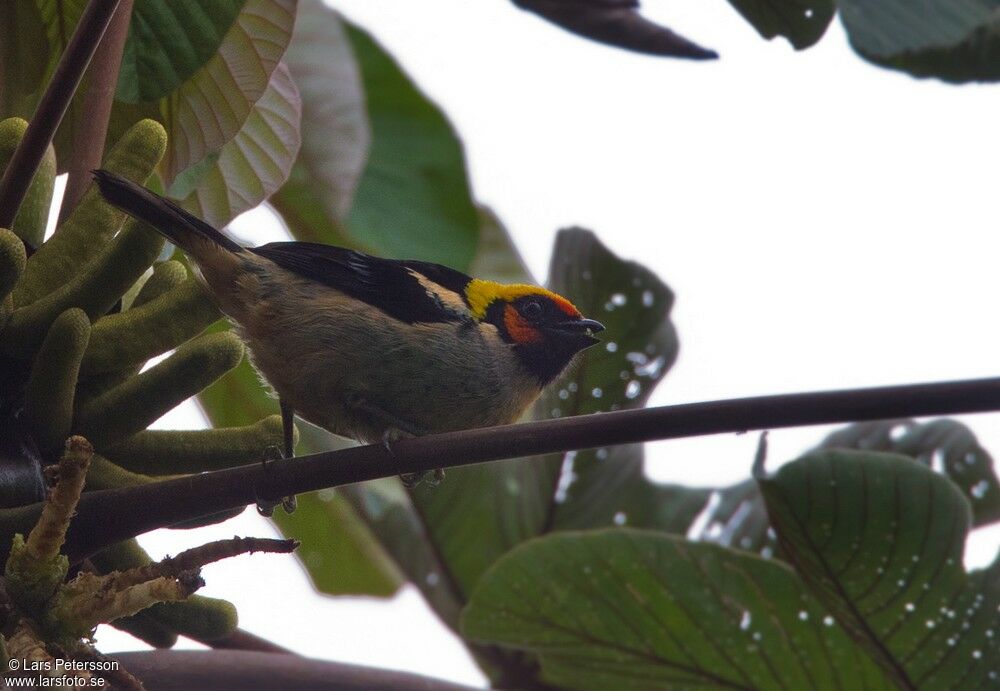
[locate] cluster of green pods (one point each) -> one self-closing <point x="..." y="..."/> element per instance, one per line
<point x="80" y="316"/>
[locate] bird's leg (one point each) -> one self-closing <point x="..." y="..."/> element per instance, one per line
<point x="396" y="428"/>
<point x="287" y="427"/>
<point x="265" y="507"/>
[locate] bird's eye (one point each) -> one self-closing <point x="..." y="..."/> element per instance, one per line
<point x="532" y="309"/>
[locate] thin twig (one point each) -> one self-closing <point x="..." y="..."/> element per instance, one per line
<point x="109" y="516"/>
<point x="23" y="164"/>
<point x="193" y="559"/>
<point x="90" y="134"/>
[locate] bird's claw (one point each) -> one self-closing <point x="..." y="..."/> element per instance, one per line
<point x="433" y="478"/>
<point x="265" y="507"/>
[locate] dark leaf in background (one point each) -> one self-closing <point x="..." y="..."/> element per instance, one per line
<point x="607" y="486"/>
<point x="336" y="134"/>
<point x="413" y="199"/>
<point x="616" y="23"/>
<point x="635" y="610"/>
<point x="879" y="540"/>
<point x="946" y="446"/>
<point x="168" y="42"/>
<point x="802" y="22"/>
<point x="954" y="40"/>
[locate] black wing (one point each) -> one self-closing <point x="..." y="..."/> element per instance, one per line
<point x="384" y="283"/>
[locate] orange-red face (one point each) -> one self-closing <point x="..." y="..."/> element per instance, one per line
<point x="543" y="319"/>
<point x="545" y="329"/>
<point x="532" y="319"/>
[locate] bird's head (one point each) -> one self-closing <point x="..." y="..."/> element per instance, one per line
<point x="544" y="328"/>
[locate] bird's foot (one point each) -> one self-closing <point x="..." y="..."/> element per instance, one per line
<point x="265" y="507"/>
<point x="410" y="480"/>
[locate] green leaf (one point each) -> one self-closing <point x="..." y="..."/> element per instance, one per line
<point x="252" y="165"/>
<point x="168" y="42"/>
<point x="210" y="108"/>
<point x="336" y="134"/>
<point x="354" y="563"/>
<point x="879" y="539"/>
<point x="954" y="40"/>
<point x="627" y="610"/>
<point x="946" y="446"/>
<point x="380" y="168"/>
<point x="391" y="517"/>
<point x="606" y="486"/>
<point x="802" y="22"/>
<point x="413" y="200"/>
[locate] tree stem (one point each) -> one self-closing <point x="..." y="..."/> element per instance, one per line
<point x="23" y="164"/>
<point x="109" y="516"/>
<point x="99" y="96"/>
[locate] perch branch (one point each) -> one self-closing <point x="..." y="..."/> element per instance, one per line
<point x="23" y="164"/>
<point x="109" y="516"/>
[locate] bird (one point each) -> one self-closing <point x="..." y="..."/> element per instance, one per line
<point x="369" y="348"/>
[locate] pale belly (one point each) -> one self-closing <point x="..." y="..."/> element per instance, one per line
<point x="348" y="368"/>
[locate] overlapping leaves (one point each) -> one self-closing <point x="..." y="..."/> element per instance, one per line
<point x="879" y="540"/>
<point x="629" y="609"/>
<point x="878" y="598"/>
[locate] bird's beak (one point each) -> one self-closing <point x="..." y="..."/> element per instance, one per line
<point x="580" y="330"/>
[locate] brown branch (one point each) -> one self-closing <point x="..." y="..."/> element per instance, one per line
<point x="236" y="670"/>
<point x="23" y="164"/>
<point x="193" y="559"/>
<point x="109" y="516"/>
<point x="92" y="130"/>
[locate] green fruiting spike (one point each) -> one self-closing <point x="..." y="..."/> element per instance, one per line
<point x="166" y="276"/>
<point x="95" y="289"/>
<point x="199" y="617"/>
<point x="161" y="452"/>
<point x="129" y="408"/>
<point x="94" y="222"/>
<point x="147" y="630"/>
<point x="33" y="215"/>
<point x="203" y="618"/>
<point x="104" y="474"/>
<point x="12" y="260"/>
<point x="135" y="335"/>
<point x="51" y="387"/>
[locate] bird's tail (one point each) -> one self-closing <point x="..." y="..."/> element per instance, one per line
<point x="185" y="230"/>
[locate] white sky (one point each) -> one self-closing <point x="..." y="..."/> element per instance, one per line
<point x="824" y="223"/>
